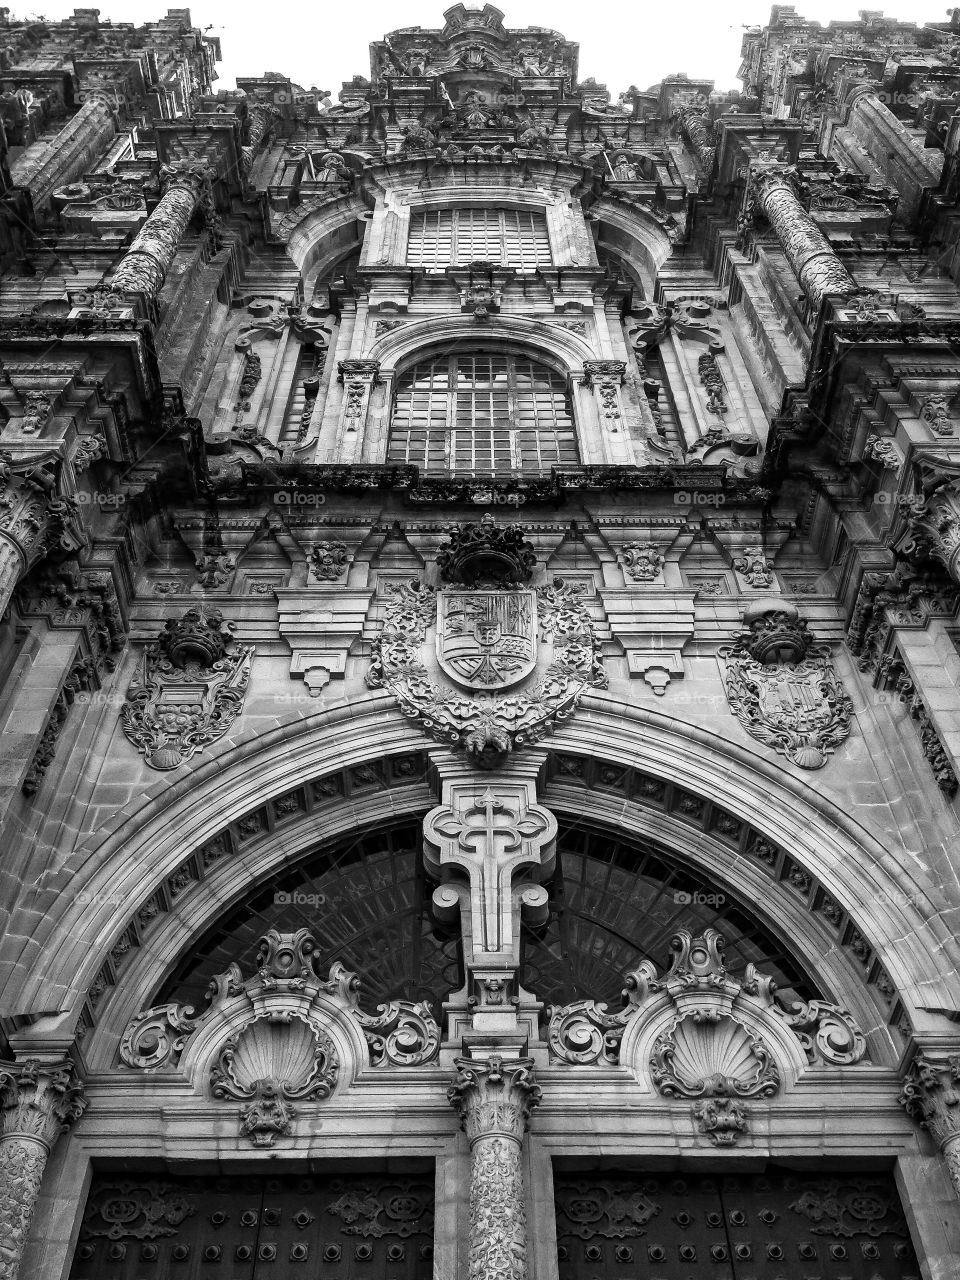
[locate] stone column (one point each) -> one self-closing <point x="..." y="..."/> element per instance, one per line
<point x="261" y="118"/>
<point x="148" y="259"/>
<point x="39" y="1103"/>
<point x="31" y="517"/>
<point x="817" y="267"/>
<point x="47" y="165"/>
<point x="933" y="525"/>
<point x="494" y="1097"/>
<point x="694" y="127"/>
<point x="931" y="1096"/>
<point x="903" y="160"/>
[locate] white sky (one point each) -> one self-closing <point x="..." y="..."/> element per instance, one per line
<point x="324" y="44"/>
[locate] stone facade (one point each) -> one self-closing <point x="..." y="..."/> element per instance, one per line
<point x="479" y="672"/>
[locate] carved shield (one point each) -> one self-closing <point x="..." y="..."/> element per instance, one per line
<point x="487" y="640"/>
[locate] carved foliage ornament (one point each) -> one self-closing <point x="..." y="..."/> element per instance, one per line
<point x="711" y="1052"/>
<point x="285" y="1054"/>
<point x="783" y="689"/>
<point x="188" y="690"/>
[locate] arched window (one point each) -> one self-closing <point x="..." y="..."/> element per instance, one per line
<point x="482" y="411"/>
<point x="514" y="237"/>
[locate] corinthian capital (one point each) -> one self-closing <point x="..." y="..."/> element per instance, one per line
<point x="934" y="526"/>
<point x="32" y="515"/>
<point x="194" y="174"/>
<point x="38" y="1100"/>
<point x="494" y="1096"/>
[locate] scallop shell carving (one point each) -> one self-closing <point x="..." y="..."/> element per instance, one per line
<point x="284" y="1050"/>
<point x="702" y="1056"/>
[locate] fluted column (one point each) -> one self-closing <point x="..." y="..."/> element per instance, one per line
<point x="47" y="165"/>
<point x="148" y="259"/>
<point x="931" y="1096"/>
<point x="39" y="1103"/>
<point x="817" y="267"/>
<point x="494" y="1097"/>
<point x="904" y="161"/>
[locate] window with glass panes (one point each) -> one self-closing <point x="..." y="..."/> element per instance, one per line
<point x="514" y="237"/>
<point x="482" y="411"/>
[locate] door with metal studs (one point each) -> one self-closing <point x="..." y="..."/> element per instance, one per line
<point x="282" y="1228"/>
<point x="779" y="1225"/>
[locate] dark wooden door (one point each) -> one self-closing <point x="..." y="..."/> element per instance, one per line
<point x="285" y="1228"/>
<point x="778" y="1225"/>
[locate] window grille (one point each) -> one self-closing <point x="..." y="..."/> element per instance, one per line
<point x="514" y="237"/>
<point x="482" y="412"/>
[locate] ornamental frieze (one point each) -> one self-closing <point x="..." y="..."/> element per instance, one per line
<point x="485" y="662"/>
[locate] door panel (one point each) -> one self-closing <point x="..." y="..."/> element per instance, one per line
<point x="291" y="1228"/>
<point x="778" y="1225"/>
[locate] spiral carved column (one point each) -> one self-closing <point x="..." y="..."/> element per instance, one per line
<point x="494" y="1097"/>
<point x="817" y="267"/>
<point x="148" y="259"/>
<point x="39" y="1103"/>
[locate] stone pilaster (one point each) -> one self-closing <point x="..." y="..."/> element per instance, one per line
<point x="39" y="1103"/>
<point x="47" y="165"/>
<point x="817" y="267"/>
<point x="494" y="1097"/>
<point x="148" y="259"/>
<point x="931" y="1098"/>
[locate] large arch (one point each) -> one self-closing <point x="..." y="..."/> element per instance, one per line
<point x="892" y="907"/>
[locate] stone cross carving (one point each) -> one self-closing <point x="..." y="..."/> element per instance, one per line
<point x="38" y="1102"/>
<point x="494" y="1097"/>
<point x="476" y="842"/>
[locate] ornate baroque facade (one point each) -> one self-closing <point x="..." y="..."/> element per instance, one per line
<point x="479" y="670"/>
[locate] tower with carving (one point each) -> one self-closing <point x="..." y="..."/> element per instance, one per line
<point x="479" y="661"/>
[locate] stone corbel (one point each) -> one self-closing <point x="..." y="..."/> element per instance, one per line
<point x="481" y="286"/>
<point x="321" y="627"/>
<point x="653" y="631"/>
<point x="358" y="378"/>
<point x="605" y="378"/>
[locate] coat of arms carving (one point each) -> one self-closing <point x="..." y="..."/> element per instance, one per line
<point x="784" y="689"/>
<point x="487" y="662"/>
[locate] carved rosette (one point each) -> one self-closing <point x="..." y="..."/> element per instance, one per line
<point x="783" y="689"/>
<point x="188" y="690"/>
<point x="817" y="267"/>
<point x="494" y="1097"/>
<point x="39" y="1103"/>
<point x="931" y="1097"/>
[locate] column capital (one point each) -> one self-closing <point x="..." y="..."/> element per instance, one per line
<point x="32" y="515"/>
<point x="192" y="174"/>
<point x="494" y="1096"/>
<point x="39" y="1100"/>
<point x="933" y="525"/>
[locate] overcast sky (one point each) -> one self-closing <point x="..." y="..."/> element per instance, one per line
<point x="621" y="44"/>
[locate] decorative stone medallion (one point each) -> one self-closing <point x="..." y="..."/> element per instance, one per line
<point x="489" y="671"/>
<point x="784" y="689"/>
